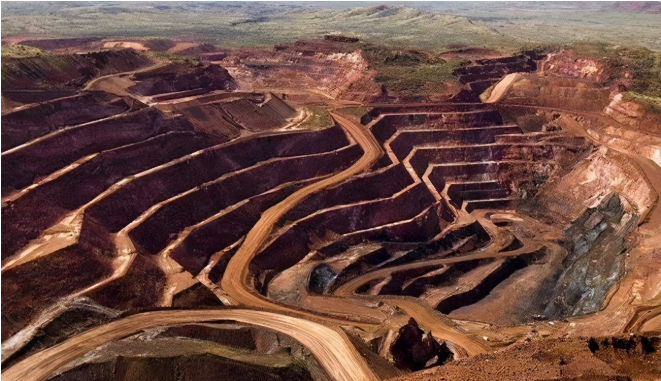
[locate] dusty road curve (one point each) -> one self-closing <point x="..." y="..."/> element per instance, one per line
<point x="236" y="280"/>
<point x="348" y="288"/>
<point x="330" y="347"/>
<point x="237" y="276"/>
<point x="499" y="239"/>
<point x="431" y="321"/>
<point x="426" y="316"/>
<point x="642" y="315"/>
<point x="91" y="85"/>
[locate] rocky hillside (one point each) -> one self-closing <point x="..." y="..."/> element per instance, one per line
<point x="66" y="71"/>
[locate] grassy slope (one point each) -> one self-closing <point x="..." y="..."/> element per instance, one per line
<point x="409" y="72"/>
<point x="560" y="22"/>
<point x="20" y="51"/>
<point x="320" y="118"/>
<point x="652" y="104"/>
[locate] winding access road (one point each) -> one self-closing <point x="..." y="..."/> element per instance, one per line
<point x="330" y="347"/>
<point x="236" y="280"/>
<point x="348" y="288"/>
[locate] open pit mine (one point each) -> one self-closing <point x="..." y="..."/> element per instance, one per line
<point x="281" y="214"/>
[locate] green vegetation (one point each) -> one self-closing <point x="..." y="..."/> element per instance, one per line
<point x="320" y="118"/>
<point x="644" y="64"/>
<point x="171" y="57"/>
<point x="416" y="80"/>
<point x="20" y="51"/>
<point x="499" y="25"/>
<point x="588" y="50"/>
<point x="650" y="103"/>
<point x="249" y="24"/>
<point x="386" y="31"/>
<point x="647" y="72"/>
<point x="409" y="72"/>
<point x="355" y="111"/>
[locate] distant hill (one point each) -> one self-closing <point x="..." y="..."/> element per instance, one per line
<point x="497" y="25"/>
<point x="651" y="7"/>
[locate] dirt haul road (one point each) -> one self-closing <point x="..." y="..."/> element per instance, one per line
<point x="236" y="280"/>
<point x="96" y="82"/>
<point x="330" y="347"/>
<point x="348" y="288"/>
<point x="431" y="321"/>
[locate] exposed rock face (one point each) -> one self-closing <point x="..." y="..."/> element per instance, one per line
<point x="639" y="117"/>
<point x="566" y="64"/>
<point x="291" y="246"/>
<point x="142" y="286"/>
<point x="258" y="114"/>
<point x="321" y="279"/>
<point x="602" y="172"/>
<point x="561" y="92"/>
<point x="61" y="43"/>
<point x="330" y="67"/>
<point x="195" y="297"/>
<point x="197" y="49"/>
<point x="414" y="349"/>
<point x="501" y="271"/>
<point x="182" y="76"/>
<point x="78" y="315"/>
<point x="595" y="261"/>
<point x="469" y="205"/>
<point x="211" y="351"/>
<point x="213" y="121"/>
<point x="46" y="156"/>
<point x="15" y="98"/>
<point x="33" y="287"/>
<point x="484" y="73"/>
<point x="232" y="335"/>
<point x="633" y="344"/>
<point x="628" y="113"/>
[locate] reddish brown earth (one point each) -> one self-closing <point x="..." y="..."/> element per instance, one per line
<point x="42" y="78"/>
<point x="143" y="202"/>
<point x="29" y="124"/>
<point x="180" y="77"/>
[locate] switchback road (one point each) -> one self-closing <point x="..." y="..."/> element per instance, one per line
<point x="236" y="280"/>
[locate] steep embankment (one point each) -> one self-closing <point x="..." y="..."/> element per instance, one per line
<point x="65" y="72"/>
